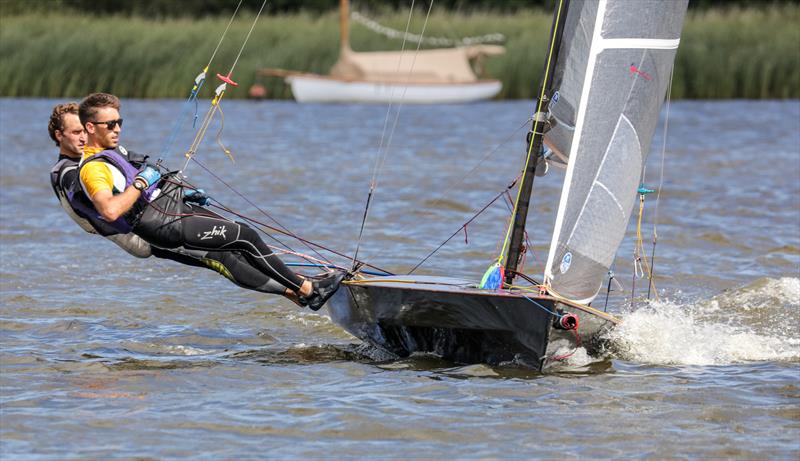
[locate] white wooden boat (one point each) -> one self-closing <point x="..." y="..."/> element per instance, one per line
<point x="431" y="76"/>
<point x="310" y="88"/>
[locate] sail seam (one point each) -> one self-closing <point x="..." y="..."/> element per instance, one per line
<point x="636" y="43"/>
<point x="614" y="197"/>
<point x="594" y="50"/>
<point x="597" y="175"/>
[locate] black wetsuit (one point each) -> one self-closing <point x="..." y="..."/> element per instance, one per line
<point x="231" y="264"/>
<point x="168" y="222"/>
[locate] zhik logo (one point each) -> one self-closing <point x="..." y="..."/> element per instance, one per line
<point x="216" y="231"/>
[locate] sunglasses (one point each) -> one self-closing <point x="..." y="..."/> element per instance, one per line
<point x="111" y="124"/>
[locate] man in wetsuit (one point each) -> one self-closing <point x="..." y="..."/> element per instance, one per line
<point x="69" y="136"/>
<point x="66" y="131"/>
<point x="133" y="197"/>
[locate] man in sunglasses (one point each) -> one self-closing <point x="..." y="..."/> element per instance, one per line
<point x="130" y="196"/>
<point x="66" y="131"/>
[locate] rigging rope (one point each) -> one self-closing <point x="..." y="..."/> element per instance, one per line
<point x="457" y="182"/>
<point x="284" y="229"/>
<point x="382" y="152"/>
<point x="216" y="106"/>
<point x="463" y="227"/>
<point x="660" y="187"/>
<point x="535" y="129"/>
<point x="640" y="262"/>
<point x="219" y="93"/>
<point x="435" y="41"/>
<point x="640" y="266"/>
<point x="260" y="226"/>
<point x="198" y="83"/>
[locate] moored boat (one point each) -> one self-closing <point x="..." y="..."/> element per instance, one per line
<point x="428" y="76"/>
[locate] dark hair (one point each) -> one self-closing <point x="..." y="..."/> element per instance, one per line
<point x="95" y="101"/>
<point x="57" y="118"/>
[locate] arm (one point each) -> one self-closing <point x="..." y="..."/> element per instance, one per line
<point x="111" y="206"/>
<point x="98" y="183"/>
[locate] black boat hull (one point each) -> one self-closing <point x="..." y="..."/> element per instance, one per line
<point x="451" y="319"/>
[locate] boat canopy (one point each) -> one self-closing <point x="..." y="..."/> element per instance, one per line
<point x="446" y="65"/>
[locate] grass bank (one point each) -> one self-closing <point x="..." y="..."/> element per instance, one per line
<point x="728" y="53"/>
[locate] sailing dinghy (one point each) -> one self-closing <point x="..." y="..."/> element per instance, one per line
<point x="608" y="69"/>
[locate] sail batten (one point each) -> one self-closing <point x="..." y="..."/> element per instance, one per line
<point x="656" y="44"/>
<point x="606" y="99"/>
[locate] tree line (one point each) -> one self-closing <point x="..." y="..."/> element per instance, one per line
<point x="202" y="8"/>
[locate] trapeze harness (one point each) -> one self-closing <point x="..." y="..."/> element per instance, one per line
<point x="161" y="217"/>
<point x="66" y="185"/>
<point x="63" y="177"/>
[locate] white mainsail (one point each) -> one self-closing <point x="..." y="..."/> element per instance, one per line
<point x="614" y="66"/>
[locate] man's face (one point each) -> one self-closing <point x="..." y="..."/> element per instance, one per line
<point x="99" y="134"/>
<point x="71" y="136"/>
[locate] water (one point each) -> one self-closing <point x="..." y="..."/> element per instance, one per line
<point x="108" y="357"/>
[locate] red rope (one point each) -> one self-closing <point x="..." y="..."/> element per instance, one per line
<point x="578" y="345"/>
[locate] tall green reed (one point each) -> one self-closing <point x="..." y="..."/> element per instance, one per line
<point x="729" y="53"/>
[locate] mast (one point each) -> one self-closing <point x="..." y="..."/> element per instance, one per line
<point x="535" y="145"/>
<point x="344" y="25"/>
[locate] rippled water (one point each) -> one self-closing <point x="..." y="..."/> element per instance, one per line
<point x="104" y="356"/>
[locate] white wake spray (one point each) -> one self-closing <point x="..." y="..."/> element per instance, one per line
<point x="759" y="322"/>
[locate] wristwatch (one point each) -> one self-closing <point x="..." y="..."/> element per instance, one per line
<point x="139" y="185"/>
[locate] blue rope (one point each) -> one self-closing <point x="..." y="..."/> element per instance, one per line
<point x="181" y="117"/>
<point x="542" y="307"/>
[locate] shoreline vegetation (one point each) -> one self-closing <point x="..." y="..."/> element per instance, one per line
<point x="725" y="53"/>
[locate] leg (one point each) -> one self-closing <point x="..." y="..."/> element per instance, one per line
<point x="217" y="234"/>
<point x="232" y="265"/>
<point x="237" y="269"/>
<point x="173" y="224"/>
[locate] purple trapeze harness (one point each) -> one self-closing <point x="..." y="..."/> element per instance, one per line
<point x="125" y="223"/>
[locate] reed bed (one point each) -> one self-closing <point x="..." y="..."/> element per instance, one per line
<point x="725" y="53"/>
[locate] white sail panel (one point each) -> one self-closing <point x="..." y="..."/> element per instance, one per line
<point x="569" y="75"/>
<point x="605" y="131"/>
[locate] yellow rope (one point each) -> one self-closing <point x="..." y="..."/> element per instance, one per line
<point x="558" y="297"/>
<point x="384" y="280"/>
<point x="218" y="95"/>
<point x="219" y="134"/>
<point x="535" y="128"/>
<point x="201" y="133"/>
<point x="639" y="252"/>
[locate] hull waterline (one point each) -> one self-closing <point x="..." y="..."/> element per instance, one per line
<point x="452" y="319"/>
<point x="321" y="89"/>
